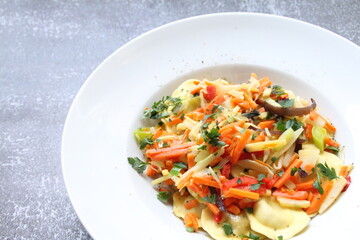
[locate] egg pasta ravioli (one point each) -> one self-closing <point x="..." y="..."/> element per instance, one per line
<point x="241" y="161"/>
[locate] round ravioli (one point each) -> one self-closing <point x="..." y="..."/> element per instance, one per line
<point x="240" y="225"/>
<point x="272" y="220"/>
<point x="179" y="209"/>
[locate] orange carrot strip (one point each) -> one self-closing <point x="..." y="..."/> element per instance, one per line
<point x="330" y="127"/>
<point x="191" y="204"/>
<point x="344" y="171"/>
<point x="175" y="121"/>
<point x="196" y="188"/>
<point x="240" y="145"/>
<point x="206" y="182"/>
<point x="266" y="124"/>
<point x="191" y="160"/>
<point x="158" y="133"/>
<point x="251" y="102"/>
<point x="233" y="209"/>
<point x="170" y="154"/>
<point x="232" y="125"/>
<point x="305" y="185"/>
<point x="150" y="170"/>
<point x="331" y="142"/>
<point x="265" y="82"/>
<point x="190" y="220"/>
<point x="185" y="135"/>
<point x="169" y="182"/>
<point x="185" y="180"/>
<point x="310" y="197"/>
<point x="287" y="174"/>
<point x="215" y="161"/>
<point x="242" y="194"/>
<point x="308" y="131"/>
<point x="213" y="208"/>
<point x="153" y="152"/>
<point x="298" y="195"/>
<point x="230" y="200"/>
<point x="319" y="199"/>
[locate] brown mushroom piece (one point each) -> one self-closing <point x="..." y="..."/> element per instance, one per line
<point x="291" y="112"/>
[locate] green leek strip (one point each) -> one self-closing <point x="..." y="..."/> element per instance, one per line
<point x="318" y="136"/>
<point x="290" y="142"/>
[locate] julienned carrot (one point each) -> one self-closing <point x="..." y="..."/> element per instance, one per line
<point x="229" y="201"/>
<point x="266" y="124"/>
<point x="190" y="220"/>
<point x="329" y="127"/>
<point x="206" y="182"/>
<point x="298" y="195"/>
<point x="240" y="145"/>
<point x="305" y="185"/>
<point x="319" y="199"/>
<point x="194" y="115"/>
<point x="203" y="192"/>
<point x="191" y="160"/>
<point x="213" y="208"/>
<point x="265" y="82"/>
<point x="232" y="125"/>
<point x="184" y="181"/>
<point x="175" y="121"/>
<point x="216" y="161"/>
<point x="169" y="182"/>
<point x="151" y="170"/>
<point x="233" y="209"/>
<point x="158" y="133"/>
<point x="253" y="104"/>
<point x="191" y="204"/>
<point x="308" y="132"/>
<point x="153" y="152"/>
<point x="331" y="142"/>
<point x="185" y="135"/>
<point x="175" y="153"/>
<point x="286" y="176"/>
<point x="315" y="115"/>
<point x="237" y="193"/>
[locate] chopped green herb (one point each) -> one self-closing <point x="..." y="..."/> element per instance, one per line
<point x="280" y="237"/>
<point x="160" y="109"/>
<point x="253" y="136"/>
<point x="210" y="199"/>
<point x="145" y="141"/>
<point x="249" y="210"/>
<point x="261" y="176"/>
<point x="182" y="116"/>
<point x="280" y="174"/>
<point x="277" y="90"/>
<point x="251" y="235"/>
<point x="227" y="229"/>
<point x="286" y="103"/>
<point x="165" y="144"/>
<point x="291" y="123"/>
<point x="326" y="171"/>
<point x="254" y="187"/>
<point x="178" y="166"/>
<point x="212" y="137"/>
<point x="274" y="159"/>
<point x="252" y="114"/>
<point x="202" y="147"/>
<point x="333" y="149"/>
<point x="164" y="196"/>
<point x="190" y="229"/>
<point x="294" y="170"/>
<point x="238" y="181"/>
<point x="137" y="164"/>
<point x="317" y="185"/>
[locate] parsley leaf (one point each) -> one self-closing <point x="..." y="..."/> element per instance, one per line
<point x="210" y="199"/>
<point x="137" y="164"/>
<point x="190" y="229"/>
<point x="280" y="237"/>
<point x="164" y="196"/>
<point x="252" y="114"/>
<point x="291" y="123"/>
<point x="203" y="147"/>
<point x="280" y="174"/>
<point x="145" y="141"/>
<point x="333" y="149"/>
<point x="249" y="210"/>
<point x="327" y="172"/>
<point x="251" y="235"/>
<point x="277" y="90"/>
<point x="254" y="187"/>
<point x="212" y="137"/>
<point x="227" y="229"/>
<point x="294" y="170"/>
<point x="286" y="103"/>
<point x="273" y="159"/>
<point x="160" y="108"/>
<point x="317" y="185"/>
<point x="238" y="181"/>
<point x="178" y="166"/>
<point x="261" y="177"/>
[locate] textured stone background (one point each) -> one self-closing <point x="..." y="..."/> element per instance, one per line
<point x="48" y="49"/>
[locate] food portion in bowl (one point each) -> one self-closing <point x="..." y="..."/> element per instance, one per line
<point x="241" y="161"/>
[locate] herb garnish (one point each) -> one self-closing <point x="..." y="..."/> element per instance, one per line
<point x="291" y="123"/>
<point x="227" y="229"/>
<point x="210" y="199"/>
<point x="286" y="103"/>
<point x="160" y="109"/>
<point x="251" y="235"/>
<point x="252" y="114"/>
<point x="164" y="196"/>
<point x="326" y="171"/>
<point x="145" y="141"/>
<point x="137" y="164"/>
<point x="212" y="136"/>
<point x="178" y="166"/>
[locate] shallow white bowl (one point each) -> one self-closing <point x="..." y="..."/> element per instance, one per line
<point x="112" y="200"/>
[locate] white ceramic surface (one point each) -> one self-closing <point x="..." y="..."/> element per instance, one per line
<point x="112" y="200"/>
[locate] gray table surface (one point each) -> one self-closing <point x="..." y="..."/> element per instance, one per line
<point x="48" y="49"/>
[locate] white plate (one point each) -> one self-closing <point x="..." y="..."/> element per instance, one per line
<point x="112" y="200"/>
